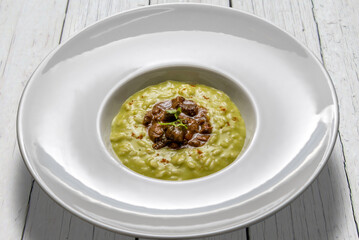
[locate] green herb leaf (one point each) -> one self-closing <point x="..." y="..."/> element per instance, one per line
<point x="178" y="121"/>
<point x="178" y="112"/>
<point x="172" y="111"/>
<point x="169" y="123"/>
<point x="183" y="125"/>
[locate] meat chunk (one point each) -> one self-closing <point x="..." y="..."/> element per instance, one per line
<point x="166" y="128"/>
<point x="174" y="145"/>
<point x="176" y="102"/>
<point x="188" y="135"/>
<point x="206" y="128"/>
<point x="193" y="126"/>
<point x="155" y="132"/>
<point x="159" y="144"/>
<point x="176" y="134"/>
<point x="202" y="137"/>
<point x="189" y="107"/>
<point x="148" y="118"/>
<point x="201" y="120"/>
<point x="195" y="142"/>
<point x="168" y="117"/>
<point x="157" y="108"/>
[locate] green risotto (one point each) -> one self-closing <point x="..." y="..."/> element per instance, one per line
<point x="134" y="148"/>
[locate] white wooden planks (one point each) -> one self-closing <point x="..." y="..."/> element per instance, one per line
<point x="45" y="217"/>
<point x="86" y="12"/>
<point x="213" y="2"/>
<point x="47" y="220"/>
<point x="28" y="31"/>
<point x="323" y="211"/>
<point x="338" y="24"/>
<point x="40" y="224"/>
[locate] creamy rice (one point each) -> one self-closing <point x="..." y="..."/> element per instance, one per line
<point x="131" y="143"/>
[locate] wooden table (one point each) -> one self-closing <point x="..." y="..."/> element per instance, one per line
<point x="328" y="209"/>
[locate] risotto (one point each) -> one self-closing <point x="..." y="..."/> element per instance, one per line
<point x="177" y="131"/>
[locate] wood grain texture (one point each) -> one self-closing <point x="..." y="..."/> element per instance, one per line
<point x="47" y="220"/>
<point x="40" y="224"/>
<point x="83" y="13"/>
<point x="31" y="28"/>
<point x="45" y="217"/>
<point x="338" y="24"/>
<point x="324" y="210"/>
<point x="28" y="31"/>
<point x="213" y="2"/>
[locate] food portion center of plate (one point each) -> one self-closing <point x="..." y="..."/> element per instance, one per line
<point x="177" y="123"/>
<point x="177" y="131"/>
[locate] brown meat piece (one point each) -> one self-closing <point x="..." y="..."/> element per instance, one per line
<point x="168" y="117"/>
<point x="148" y="118"/>
<point x="176" y="102"/>
<point x="159" y="144"/>
<point x="203" y="138"/>
<point x="174" y="145"/>
<point x="206" y="128"/>
<point x="194" y="142"/>
<point x="185" y="119"/>
<point x="191" y="129"/>
<point x="189" y="107"/>
<point x="155" y="132"/>
<point x="159" y="116"/>
<point x="193" y="126"/>
<point x="188" y="135"/>
<point x="157" y="108"/>
<point x="175" y="134"/>
<point x="201" y="120"/>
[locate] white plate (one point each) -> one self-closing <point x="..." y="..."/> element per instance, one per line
<point x="63" y="119"/>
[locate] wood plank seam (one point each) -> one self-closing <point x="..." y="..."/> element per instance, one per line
<point x="62" y="217"/>
<point x="60" y="41"/>
<point x="342" y="146"/>
<point x="339" y="134"/>
<point x="318" y="34"/>
<point x="15" y="144"/>
<point x="321" y="202"/>
<point x="63" y="23"/>
<point x="33" y="181"/>
<point x="68" y="232"/>
<point x="276" y="222"/>
<point x="291" y="217"/>
<point x="8" y="53"/>
<point x="27" y="209"/>
<point x="347" y="179"/>
<point x="93" y="227"/>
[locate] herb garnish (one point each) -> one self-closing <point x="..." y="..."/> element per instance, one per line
<point x="178" y="121"/>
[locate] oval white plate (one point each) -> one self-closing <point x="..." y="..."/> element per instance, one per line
<point x="293" y="97"/>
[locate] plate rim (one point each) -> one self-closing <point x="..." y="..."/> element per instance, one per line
<point x="283" y="204"/>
